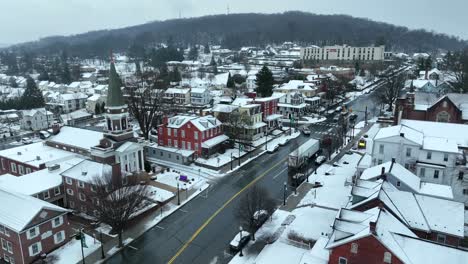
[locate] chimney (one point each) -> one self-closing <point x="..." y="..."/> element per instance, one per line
<point x="382" y="174"/>
<point x="391" y="166"/>
<point x="55" y="129"/>
<point x="372" y="226"/>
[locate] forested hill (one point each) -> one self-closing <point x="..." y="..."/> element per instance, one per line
<point x="236" y="30"/>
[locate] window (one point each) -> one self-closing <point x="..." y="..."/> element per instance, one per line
<point x="71" y="204"/>
<point x="169" y="142"/>
<point x="56" y="190"/>
<point x="4" y="244"/>
<point x="80" y="184"/>
<point x="59" y="237"/>
<point x="58" y="221"/>
<point x="168" y="131"/>
<point x="175" y="133"/>
<point x="33" y="232"/>
<point x="189" y="145"/>
<point x="9" y="247"/>
<point x="183" y="144"/>
<point x="82" y="197"/>
<point x="83" y="209"/>
<point x="408" y="152"/>
<point x="183" y="133"/>
<point x="460" y="176"/>
<point x="176" y="145"/>
<point x="436" y="174"/>
<point x="443" y="117"/>
<point x="354" y="248"/>
<point x="381" y="149"/>
<point x="13" y="167"/>
<point x="398" y="183"/>
<point x="35" y="249"/>
<point x="342" y="260"/>
<point x="195" y="135"/>
<point x="445" y="157"/>
<point x="70" y="192"/>
<point x="429" y="155"/>
<point x="387" y="257"/>
<point x="422" y="172"/>
<point x="407" y="166"/>
<point x="21" y="169"/>
<point x="465" y="191"/>
<point x="68" y="180"/>
<point x="46" y="195"/>
<point x="441" y="238"/>
<point x="379" y="161"/>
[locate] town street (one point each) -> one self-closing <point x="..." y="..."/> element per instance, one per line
<point x="209" y="222"/>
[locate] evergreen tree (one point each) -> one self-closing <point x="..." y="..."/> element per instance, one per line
<point x="103" y="107"/>
<point x="43" y="76"/>
<point x="75" y="72"/>
<point x="97" y="108"/>
<point x="32" y="96"/>
<point x="428" y="63"/>
<point x="264" y="82"/>
<point x="138" y="68"/>
<point x="206" y="50"/>
<point x="230" y="82"/>
<point x="193" y="53"/>
<point x="214" y="65"/>
<point x="13" y="82"/>
<point x="174" y="76"/>
<point x="66" y="75"/>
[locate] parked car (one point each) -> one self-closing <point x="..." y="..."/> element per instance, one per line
<point x="260" y="217"/>
<point x="26" y="140"/>
<point x="284" y="142"/>
<point x="239" y="242"/>
<point x="44" y="134"/>
<point x="320" y="159"/>
<point x="352" y="117"/>
<point x="272" y="149"/>
<point x="306" y="131"/>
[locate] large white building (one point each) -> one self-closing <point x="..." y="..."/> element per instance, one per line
<point x="36" y="119"/>
<point x="343" y="53"/>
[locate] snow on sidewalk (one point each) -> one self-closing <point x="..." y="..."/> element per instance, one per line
<point x="71" y="251"/>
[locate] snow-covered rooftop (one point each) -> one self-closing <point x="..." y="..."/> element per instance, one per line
<point x="87" y="171"/>
<point x="411" y="134"/>
<point x="451" y="131"/>
<point x="38" y="181"/>
<point x="18" y="209"/>
<point x="35" y="154"/>
<point x="78" y="137"/>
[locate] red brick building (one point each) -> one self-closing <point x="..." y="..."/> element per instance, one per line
<point x="199" y="134"/>
<point x="37" y="227"/>
<point x="450" y="108"/>
<point x="377" y="236"/>
<point x="431" y="218"/>
<point x="269" y="108"/>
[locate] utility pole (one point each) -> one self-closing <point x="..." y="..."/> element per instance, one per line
<point x="365" y="116"/>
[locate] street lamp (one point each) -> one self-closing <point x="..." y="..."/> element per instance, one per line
<point x="103" y="256"/>
<point x="186" y="191"/>
<point x="178" y="193"/>
<point x="240" y="240"/>
<point x="295" y="184"/>
<point x="284" y="193"/>
<point x="266" y="140"/>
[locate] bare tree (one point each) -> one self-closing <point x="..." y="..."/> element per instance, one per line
<point x="144" y="104"/>
<point x="253" y="207"/>
<point x="235" y="125"/>
<point x="117" y="199"/>
<point x="390" y="92"/>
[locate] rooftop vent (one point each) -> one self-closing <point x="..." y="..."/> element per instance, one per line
<point x="402" y="135"/>
<point x="54" y="167"/>
<point x="84" y="173"/>
<point x="38" y="157"/>
<point x="19" y="153"/>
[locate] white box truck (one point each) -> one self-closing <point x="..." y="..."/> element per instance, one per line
<point x="298" y="157"/>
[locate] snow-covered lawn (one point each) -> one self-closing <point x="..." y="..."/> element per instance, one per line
<point x="219" y="160"/>
<point x="71" y="252"/>
<point x="171" y="179"/>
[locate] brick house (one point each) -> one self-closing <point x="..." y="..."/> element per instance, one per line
<point x="29" y="158"/>
<point x="37" y="228"/>
<point x="431" y="218"/>
<point x="450" y="108"/>
<point x="269" y="108"/>
<point x="78" y="184"/>
<point x="202" y="135"/>
<point x="377" y="236"/>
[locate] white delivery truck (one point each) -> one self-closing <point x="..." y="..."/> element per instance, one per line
<point x="298" y="157"/>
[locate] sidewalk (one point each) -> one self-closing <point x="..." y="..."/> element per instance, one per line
<point x="142" y="225"/>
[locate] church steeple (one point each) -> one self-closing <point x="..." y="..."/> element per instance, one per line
<point x="114" y="93"/>
<point x="117" y="127"/>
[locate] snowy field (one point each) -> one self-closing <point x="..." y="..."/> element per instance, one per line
<point x="71" y="252"/>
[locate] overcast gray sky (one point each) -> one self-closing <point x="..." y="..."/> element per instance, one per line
<point x="25" y="20"/>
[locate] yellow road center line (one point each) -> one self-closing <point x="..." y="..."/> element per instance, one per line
<point x="182" y="249"/>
